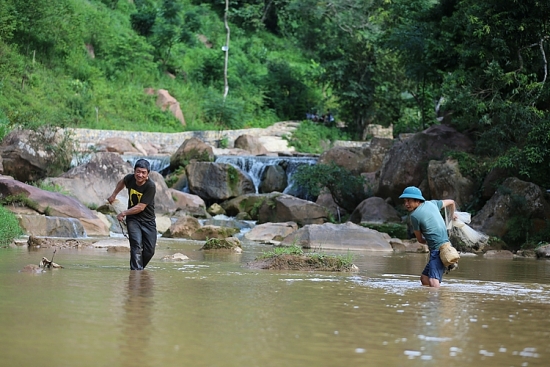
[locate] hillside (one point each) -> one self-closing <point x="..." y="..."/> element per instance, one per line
<point x="481" y="67"/>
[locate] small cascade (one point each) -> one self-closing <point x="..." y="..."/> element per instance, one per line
<point x="159" y="163"/>
<point x="254" y="166"/>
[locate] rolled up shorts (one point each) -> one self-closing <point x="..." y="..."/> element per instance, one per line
<point x="434" y="268"/>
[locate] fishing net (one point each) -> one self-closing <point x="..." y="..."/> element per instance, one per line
<point x="459" y="227"/>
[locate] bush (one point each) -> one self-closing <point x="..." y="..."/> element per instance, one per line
<point x="347" y="190"/>
<point x="313" y="138"/>
<point x="10" y="228"/>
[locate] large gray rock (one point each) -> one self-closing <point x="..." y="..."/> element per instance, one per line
<point x="287" y="208"/>
<point x="375" y="210"/>
<point x="94" y="181"/>
<point x="543" y="252"/>
<point x="446" y="182"/>
<point x="27" y="155"/>
<point x="514" y="198"/>
<point x="190" y="150"/>
<point x="273" y="179"/>
<point x="348" y="236"/>
<point x="350" y="158"/>
<point x="405" y="164"/>
<point x="251" y="144"/>
<point x="41" y="225"/>
<point x="55" y="204"/>
<point x="268" y="232"/>
<point x="375" y="152"/>
<point x="217" y="181"/>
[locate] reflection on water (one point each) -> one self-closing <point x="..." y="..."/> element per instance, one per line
<point x="137" y="325"/>
<point x="213" y="311"/>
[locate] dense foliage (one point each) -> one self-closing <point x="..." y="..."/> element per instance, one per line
<point x="480" y="66"/>
<point x="346" y="189"/>
<point x="10" y="229"/>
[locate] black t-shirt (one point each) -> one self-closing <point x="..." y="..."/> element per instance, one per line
<point x="141" y="194"/>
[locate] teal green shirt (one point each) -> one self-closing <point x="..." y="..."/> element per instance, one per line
<point x="428" y="220"/>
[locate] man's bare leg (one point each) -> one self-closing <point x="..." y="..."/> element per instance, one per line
<point x="429" y="282"/>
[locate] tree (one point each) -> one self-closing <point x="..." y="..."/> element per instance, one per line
<point x="346" y="190"/>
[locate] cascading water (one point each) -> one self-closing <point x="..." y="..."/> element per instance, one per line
<point x="254" y="166"/>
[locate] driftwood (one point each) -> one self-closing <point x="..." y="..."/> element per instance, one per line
<point x="45" y="263"/>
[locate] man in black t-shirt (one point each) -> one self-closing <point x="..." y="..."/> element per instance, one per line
<point x="140" y="215"/>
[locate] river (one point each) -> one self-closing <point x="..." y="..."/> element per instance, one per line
<point x="213" y="311"/>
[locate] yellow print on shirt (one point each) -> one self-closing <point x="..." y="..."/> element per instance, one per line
<point x="137" y="195"/>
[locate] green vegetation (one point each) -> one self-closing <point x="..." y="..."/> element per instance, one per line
<point x="294" y="258"/>
<point x="314" y="138"/>
<point x="10" y="229"/>
<point x="220" y="244"/>
<point x="347" y="190"/>
<point x="20" y="199"/>
<point x="395" y="230"/>
<point x="480" y="66"/>
<point x="282" y="250"/>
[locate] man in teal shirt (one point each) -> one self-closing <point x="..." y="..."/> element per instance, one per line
<point x="429" y="228"/>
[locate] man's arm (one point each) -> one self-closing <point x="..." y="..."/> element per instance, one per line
<point x="451" y="203"/>
<point x="419" y="237"/>
<point x="119" y="186"/>
<point x="136" y="209"/>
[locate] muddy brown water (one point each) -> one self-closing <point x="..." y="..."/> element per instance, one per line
<point x="213" y="311"/>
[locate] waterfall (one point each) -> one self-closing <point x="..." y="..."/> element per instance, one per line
<point x="254" y="167"/>
<point x="159" y="163"/>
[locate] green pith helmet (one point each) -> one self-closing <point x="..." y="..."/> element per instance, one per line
<point x="412" y="192"/>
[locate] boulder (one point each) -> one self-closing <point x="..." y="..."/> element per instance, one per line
<point x="543" y="252"/>
<point x="208" y="231"/>
<point x="287" y="208"/>
<point x="375" y="210"/>
<point x="515" y="198"/>
<point x="374" y="153"/>
<point x="55" y="204"/>
<point x="247" y="203"/>
<point x="41" y="225"/>
<point x="326" y="200"/>
<point x="251" y="144"/>
<point x="164" y="201"/>
<point x="118" y="145"/>
<point x="94" y="181"/>
<point x="190" y="150"/>
<point x="350" y="158"/>
<point x="166" y="102"/>
<point x="215" y="209"/>
<point x="446" y="182"/>
<point x="408" y="246"/>
<point x="268" y="232"/>
<point x="273" y="179"/>
<point x="347" y="236"/>
<point x="184" y="227"/>
<point x="189" y="203"/>
<point x="178" y="256"/>
<point x="27" y="156"/>
<point x="406" y="162"/>
<point x="217" y="181"/>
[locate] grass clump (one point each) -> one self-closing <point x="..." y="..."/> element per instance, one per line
<point x="10" y="229"/>
<point x="294" y="258"/>
<point x="229" y="243"/>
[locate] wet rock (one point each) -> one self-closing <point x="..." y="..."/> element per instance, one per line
<point x="348" y="236"/>
<point x="498" y="254"/>
<point x="268" y="232"/>
<point x="175" y="257"/>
